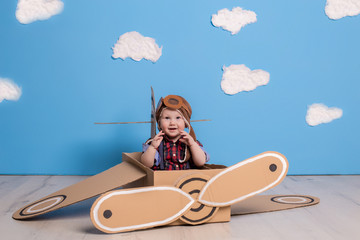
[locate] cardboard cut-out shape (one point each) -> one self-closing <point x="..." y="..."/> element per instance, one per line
<point x="198" y="213"/>
<point x="152" y="118"/>
<point x="108" y="180"/>
<point x="127" y="210"/>
<point x="270" y="203"/>
<point x="260" y="173"/>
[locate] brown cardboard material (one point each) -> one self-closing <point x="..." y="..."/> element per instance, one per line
<point x="198" y="213"/>
<point x="209" y="189"/>
<point x="270" y="203"/>
<point x="152" y="118"/>
<point x="131" y="209"/>
<point x="110" y="179"/>
<point x="174" y="178"/>
<point x="129" y="173"/>
<point x="197" y="196"/>
<point x="261" y="172"/>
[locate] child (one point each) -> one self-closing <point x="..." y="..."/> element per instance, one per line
<point x="173" y="148"/>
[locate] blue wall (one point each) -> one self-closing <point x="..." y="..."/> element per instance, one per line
<point x="69" y="81"/>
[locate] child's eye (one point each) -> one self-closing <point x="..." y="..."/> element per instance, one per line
<point x="178" y="117"/>
<point x="167" y="117"/>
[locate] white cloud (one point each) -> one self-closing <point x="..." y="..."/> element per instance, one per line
<point x="28" y="11"/>
<point x="233" y="20"/>
<point x="9" y="90"/>
<point x="238" y="78"/>
<point x="137" y="47"/>
<point x="336" y="9"/>
<point x="318" y="113"/>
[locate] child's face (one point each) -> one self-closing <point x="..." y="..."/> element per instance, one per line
<point x="172" y="123"/>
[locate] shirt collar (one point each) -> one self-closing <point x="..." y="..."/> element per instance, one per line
<point x="170" y="141"/>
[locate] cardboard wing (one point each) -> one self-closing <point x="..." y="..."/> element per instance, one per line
<point x="270" y="203"/>
<point x="110" y="179"/>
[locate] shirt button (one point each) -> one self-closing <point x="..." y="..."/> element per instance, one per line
<point x="174" y="154"/>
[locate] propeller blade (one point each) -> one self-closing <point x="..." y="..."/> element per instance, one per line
<point x="139" y="208"/>
<point x="244" y="179"/>
<point x="153" y="119"/>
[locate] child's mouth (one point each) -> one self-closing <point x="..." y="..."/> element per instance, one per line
<point x="172" y="129"/>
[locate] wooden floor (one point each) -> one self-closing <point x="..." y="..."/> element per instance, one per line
<point x="336" y="217"/>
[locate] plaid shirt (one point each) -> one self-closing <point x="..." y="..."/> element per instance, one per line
<point x="173" y="152"/>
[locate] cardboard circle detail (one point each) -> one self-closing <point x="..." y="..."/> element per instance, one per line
<point x="43" y="205"/>
<point x="292" y="199"/>
<point x="270" y="203"/>
<point x="112" y="178"/>
<point x="198" y="213"/>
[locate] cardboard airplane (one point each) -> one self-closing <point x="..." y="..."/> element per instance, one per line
<point x="150" y="198"/>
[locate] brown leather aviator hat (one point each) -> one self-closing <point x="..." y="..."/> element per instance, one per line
<point x="179" y="104"/>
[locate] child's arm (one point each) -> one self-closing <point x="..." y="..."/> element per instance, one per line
<point x="198" y="155"/>
<point x="147" y="158"/>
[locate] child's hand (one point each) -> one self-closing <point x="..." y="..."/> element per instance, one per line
<point x="157" y="139"/>
<point x="186" y="138"/>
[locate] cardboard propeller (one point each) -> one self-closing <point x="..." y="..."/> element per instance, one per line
<point x="194" y="199"/>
